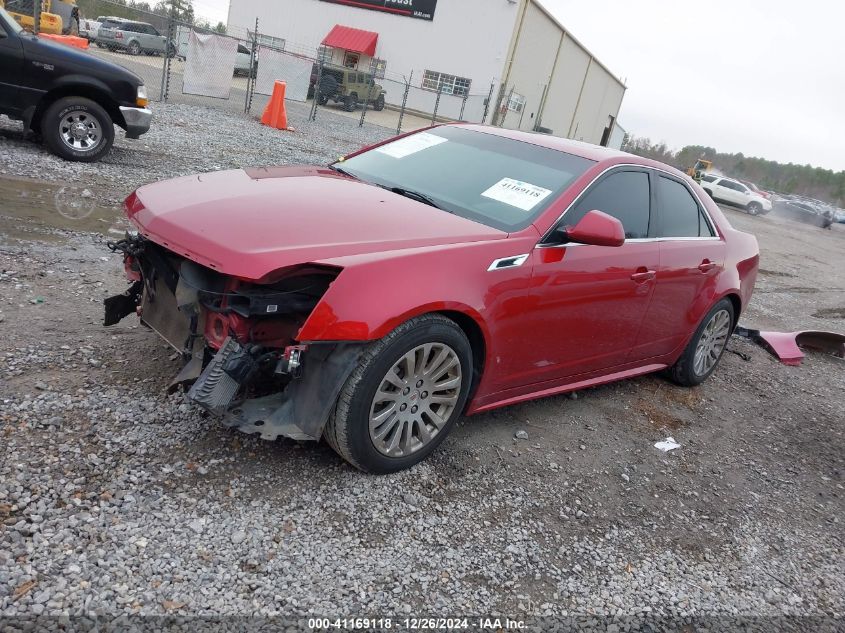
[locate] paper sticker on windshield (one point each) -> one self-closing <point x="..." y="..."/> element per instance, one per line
<point x="516" y="193"/>
<point x="410" y="145"/>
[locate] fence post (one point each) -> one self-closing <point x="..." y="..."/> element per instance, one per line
<point x="165" y="67"/>
<point x="404" y="101"/>
<point x="507" y="104"/>
<point x="463" y="106"/>
<point x="538" y="122"/>
<point x="36" y="16"/>
<point x="489" y="99"/>
<point x="250" y="81"/>
<point x="437" y="103"/>
<point x="366" y="101"/>
<point x="320" y="62"/>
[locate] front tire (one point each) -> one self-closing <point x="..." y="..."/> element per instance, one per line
<point x="350" y="103"/>
<point x="77" y="129"/>
<point x="706" y="347"/>
<point x="755" y="208"/>
<point x="404" y="397"/>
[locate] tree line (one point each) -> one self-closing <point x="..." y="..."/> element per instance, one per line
<point x="802" y="180"/>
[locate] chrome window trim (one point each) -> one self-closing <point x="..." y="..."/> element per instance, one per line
<point x="642" y="239"/>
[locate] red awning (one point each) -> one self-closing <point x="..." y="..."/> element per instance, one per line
<point x="350" y="39"/>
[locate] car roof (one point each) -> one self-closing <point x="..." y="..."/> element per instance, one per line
<point x="570" y="146"/>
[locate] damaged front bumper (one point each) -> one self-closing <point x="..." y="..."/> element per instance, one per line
<point x="236" y="342"/>
<point x="299" y="412"/>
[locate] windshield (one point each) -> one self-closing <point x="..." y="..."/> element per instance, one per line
<point x="493" y="180"/>
<point x="9" y="22"/>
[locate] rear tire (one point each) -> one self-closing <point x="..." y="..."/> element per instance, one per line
<point x="77" y="129"/>
<point x="134" y="48"/>
<point x="706" y="347"/>
<point x="414" y="425"/>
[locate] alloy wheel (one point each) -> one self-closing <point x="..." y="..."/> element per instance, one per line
<point x="80" y="131"/>
<point x="712" y="342"/>
<point x="415" y="399"/>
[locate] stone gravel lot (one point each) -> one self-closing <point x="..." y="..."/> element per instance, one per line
<point x="186" y="139"/>
<point x="118" y="499"/>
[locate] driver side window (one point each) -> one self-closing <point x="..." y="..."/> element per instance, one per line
<point x="625" y="195"/>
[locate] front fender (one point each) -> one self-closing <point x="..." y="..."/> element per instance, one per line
<point x="80" y="80"/>
<point x="371" y="297"/>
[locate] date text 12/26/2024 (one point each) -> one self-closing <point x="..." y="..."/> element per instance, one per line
<point x="417" y="624"/>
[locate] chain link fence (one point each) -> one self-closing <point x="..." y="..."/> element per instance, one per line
<point x="398" y="103"/>
<point x="184" y="61"/>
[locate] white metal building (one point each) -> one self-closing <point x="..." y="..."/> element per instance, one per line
<point x="536" y="71"/>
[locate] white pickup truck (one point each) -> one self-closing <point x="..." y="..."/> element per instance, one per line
<point x="733" y="192"/>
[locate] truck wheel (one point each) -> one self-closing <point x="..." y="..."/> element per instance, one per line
<point x="134" y="48"/>
<point x="350" y="103"/>
<point x="78" y="129"/>
<point x="404" y="397"/>
<point x="378" y="106"/>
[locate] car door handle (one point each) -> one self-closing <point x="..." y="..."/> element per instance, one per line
<point x="642" y="276"/>
<point x="706" y="266"/>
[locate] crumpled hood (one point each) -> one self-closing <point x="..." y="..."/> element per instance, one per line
<point x="251" y="223"/>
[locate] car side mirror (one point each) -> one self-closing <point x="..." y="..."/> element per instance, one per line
<point x="598" y="229"/>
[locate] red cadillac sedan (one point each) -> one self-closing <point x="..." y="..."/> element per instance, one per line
<point x="441" y="273"/>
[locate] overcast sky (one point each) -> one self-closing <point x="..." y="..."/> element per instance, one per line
<point x="762" y="77"/>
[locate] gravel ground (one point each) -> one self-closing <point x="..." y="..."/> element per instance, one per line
<point x="187" y="139"/>
<point x="117" y="499"/>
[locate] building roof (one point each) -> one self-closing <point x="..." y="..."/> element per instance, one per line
<point x="355" y="40"/>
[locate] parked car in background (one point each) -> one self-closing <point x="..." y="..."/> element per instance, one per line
<point x="134" y="37"/>
<point x="735" y="193"/>
<point x="349" y="87"/>
<point x="244" y="63"/>
<point x="71" y="98"/>
<point x="766" y="194"/>
<point x="89" y="29"/>
<point x="803" y="210"/>
<point x="375" y="301"/>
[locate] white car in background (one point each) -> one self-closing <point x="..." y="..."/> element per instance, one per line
<point x="733" y="192"/>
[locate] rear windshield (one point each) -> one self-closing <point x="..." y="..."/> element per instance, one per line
<point x="483" y="177"/>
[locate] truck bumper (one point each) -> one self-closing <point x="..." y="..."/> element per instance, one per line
<point x="137" y="120"/>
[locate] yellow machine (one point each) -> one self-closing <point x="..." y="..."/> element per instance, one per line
<point x="701" y="167"/>
<point x="55" y="14"/>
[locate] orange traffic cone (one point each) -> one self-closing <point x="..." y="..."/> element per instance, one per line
<point x="275" y="114"/>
